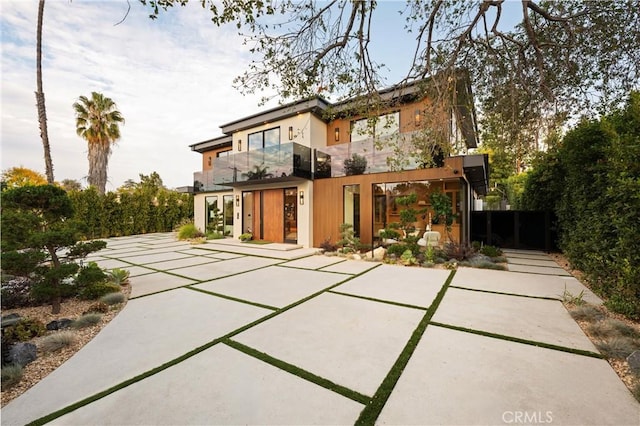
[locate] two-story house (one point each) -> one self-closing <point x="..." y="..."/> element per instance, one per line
<point x="295" y="173"/>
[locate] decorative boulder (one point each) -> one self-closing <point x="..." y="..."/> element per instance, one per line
<point x="377" y="254"/>
<point x="10" y="319"/>
<point x="23" y="353"/>
<point x="59" y="324"/>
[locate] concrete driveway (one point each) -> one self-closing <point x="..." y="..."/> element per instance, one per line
<point x="229" y="333"/>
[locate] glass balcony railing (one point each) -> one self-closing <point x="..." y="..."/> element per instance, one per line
<point x="281" y="161"/>
<point x="363" y="157"/>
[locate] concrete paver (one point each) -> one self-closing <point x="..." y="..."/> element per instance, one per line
<point x="539" y="320"/>
<point x="532" y="262"/>
<point x="135" y="271"/>
<point x="314" y="262"/>
<point x="531" y="269"/>
<point x="110" y="263"/>
<point x="223" y="268"/>
<point x="517" y="283"/>
<point x="152" y="283"/>
<point x="412" y="286"/>
<point x="453" y="377"/>
<point x="458" y="378"/>
<point x="180" y="263"/>
<point x="352" y="267"/>
<point x="273" y="286"/>
<point x="350" y="341"/>
<point x="142" y="259"/>
<point x="223" y="386"/>
<point x="147" y="333"/>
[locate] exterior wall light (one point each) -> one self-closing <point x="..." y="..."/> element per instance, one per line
<point x="301" y="198"/>
<point x="290" y="133"/>
<point x="237" y="200"/>
<point x="239" y="144"/>
<point x="209" y="161"/>
<point x="337" y="134"/>
<point x="417" y="117"/>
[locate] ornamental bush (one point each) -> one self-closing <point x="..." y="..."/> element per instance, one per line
<point x="592" y="181"/>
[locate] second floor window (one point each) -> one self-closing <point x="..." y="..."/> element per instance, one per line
<point x="378" y="127"/>
<point x="264" y="139"/>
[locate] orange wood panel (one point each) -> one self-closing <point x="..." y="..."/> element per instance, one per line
<point x="273" y="215"/>
<point x="257" y="197"/>
<point x="328" y="197"/>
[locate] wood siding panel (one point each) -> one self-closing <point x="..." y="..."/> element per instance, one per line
<point x="273" y="215"/>
<point x="328" y="198"/>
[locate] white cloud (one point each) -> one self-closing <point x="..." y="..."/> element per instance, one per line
<point x="170" y="78"/>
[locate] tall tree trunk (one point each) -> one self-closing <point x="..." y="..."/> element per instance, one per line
<point x="42" y="111"/>
<point x="98" y="155"/>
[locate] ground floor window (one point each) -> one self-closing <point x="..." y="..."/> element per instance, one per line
<point x="228" y="214"/>
<point x="214" y="218"/>
<point x="351" y="197"/>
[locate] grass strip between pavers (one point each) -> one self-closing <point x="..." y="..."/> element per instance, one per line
<point x="196" y="282"/>
<point x="370" y="413"/>
<point x="299" y="372"/>
<point x="235" y="299"/>
<point x="559" y="298"/>
<point x="519" y="340"/>
<point x="373" y="299"/>
<point x="79" y="404"/>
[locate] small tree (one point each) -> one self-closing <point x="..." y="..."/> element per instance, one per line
<point x="356" y="165"/>
<point x="36" y="226"/>
<point x="409" y="215"/>
<point x="441" y="204"/>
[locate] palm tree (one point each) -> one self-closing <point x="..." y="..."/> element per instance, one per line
<point x="42" y="111"/>
<point x="98" y="122"/>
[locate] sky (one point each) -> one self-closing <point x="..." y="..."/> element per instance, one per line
<point x="171" y="79"/>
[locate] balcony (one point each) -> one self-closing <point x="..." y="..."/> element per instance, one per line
<point x="277" y="163"/>
<point x="363" y="157"/>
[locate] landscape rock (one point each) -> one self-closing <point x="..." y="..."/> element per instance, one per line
<point x="10" y="319"/>
<point x="377" y="254"/>
<point x="22" y="353"/>
<point x="634" y="361"/>
<point x="59" y="324"/>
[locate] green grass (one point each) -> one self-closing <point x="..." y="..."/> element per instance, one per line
<point x="370" y="414"/>
<point x="57" y="341"/>
<point x="297" y="371"/>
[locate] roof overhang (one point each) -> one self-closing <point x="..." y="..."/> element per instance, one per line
<point x="315" y="105"/>
<point x="208" y="145"/>
<point x="476" y="170"/>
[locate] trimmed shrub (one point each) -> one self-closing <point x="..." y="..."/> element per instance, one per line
<point x="11" y="375"/>
<point x="25" y="329"/>
<point x="113" y="298"/>
<point x="91" y="274"/>
<point x="57" y="341"/>
<point x="491" y="251"/>
<point x="188" y="232"/>
<point x="86" y="320"/>
<point x="96" y="291"/>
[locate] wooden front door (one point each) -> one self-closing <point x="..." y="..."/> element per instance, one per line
<point x="268" y="215"/>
